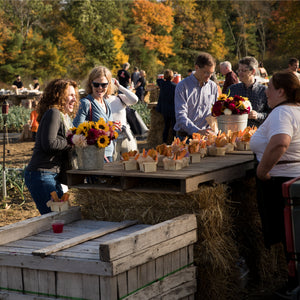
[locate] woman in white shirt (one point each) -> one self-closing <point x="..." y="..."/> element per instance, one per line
<point x="126" y="140"/>
<point x="276" y="144"/>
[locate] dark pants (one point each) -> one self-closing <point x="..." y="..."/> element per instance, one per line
<point x="40" y="184"/>
<point x="271" y="209"/>
<point x="140" y="93"/>
<point x="169" y="123"/>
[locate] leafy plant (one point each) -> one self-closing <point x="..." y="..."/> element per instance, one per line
<point x="17" y="117"/>
<point x="143" y="111"/>
<point x="15" y="182"/>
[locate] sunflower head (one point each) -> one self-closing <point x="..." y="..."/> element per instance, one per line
<point x="103" y="141"/>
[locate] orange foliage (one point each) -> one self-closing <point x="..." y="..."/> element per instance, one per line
<point x="155" y="23"/>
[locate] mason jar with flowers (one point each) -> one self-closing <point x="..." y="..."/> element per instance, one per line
<point x="90" y="139"/>
<point x="231" y="112"/>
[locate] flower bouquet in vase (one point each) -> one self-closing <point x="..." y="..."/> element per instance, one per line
<point x="231" y="112"/>
<point x="90" y="139"/>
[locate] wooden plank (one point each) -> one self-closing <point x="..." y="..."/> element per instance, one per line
<point x="108" y="288"/>
<point x="218" y="176"/>
<point x="122" y="285"/>
<point x="79" y="286"/>
<point x="39" y="281"/>
<point x="178" y="279"/>
<point x="137" y="241"/>
<point x="6" y="295"/>
<point x="142" y="256"/>
<point x="181" y="291"/>
<point x="35" y="225"/>
<point x="132" y="280"/>
<point x="159" y="267"/>
<point x="81" y="239"/>
<point x="59" y="264"/>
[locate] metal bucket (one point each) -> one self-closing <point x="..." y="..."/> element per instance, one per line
<point x="90" y="157"/>
<point x="232" y="122"/>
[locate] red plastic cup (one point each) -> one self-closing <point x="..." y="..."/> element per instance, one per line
<point x="58" y="226"/>
<point x="160" y="76"/>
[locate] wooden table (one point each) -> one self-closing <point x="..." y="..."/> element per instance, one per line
<point x="218" y="169"/>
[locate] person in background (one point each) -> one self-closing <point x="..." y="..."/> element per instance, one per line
<point x="276" y="144"/>
<point x="36" y="85"/>
<point x="124" y="76"/>
<point x="194" y="97"/>
<point x="34" y="125"/>
<point x="165" y="104"/>
<point x="57" y="105"/>
<point x="96" y="105"/>
<point x="293" y="65"/>
<point x="262" y="71"/>
<point x="126" y="140"/>
<point x="189" y="72"/>
<point x="140" y="86"/>
<point x="250" y="88"/>
<point x="17" y="84"/>
<point x="230" y="77"/>
<point x="214" y="78"/>
<point x="135" y="76"/>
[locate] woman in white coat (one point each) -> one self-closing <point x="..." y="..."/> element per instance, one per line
<point x="126" y="140"/>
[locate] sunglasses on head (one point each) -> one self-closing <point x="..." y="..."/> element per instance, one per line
<point x="97" y="84"/>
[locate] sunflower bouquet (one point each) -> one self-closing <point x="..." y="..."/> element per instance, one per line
<point x="98" y="133"/>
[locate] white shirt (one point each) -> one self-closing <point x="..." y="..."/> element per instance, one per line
<point x="284" y="119"/>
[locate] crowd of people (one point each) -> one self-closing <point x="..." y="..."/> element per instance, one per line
<point x="185" y="108"/>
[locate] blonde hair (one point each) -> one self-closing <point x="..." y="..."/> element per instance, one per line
<point x="97" y="72"/>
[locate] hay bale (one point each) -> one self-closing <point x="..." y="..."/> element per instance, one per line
<point x="155" y="133"/>
<point x="216" y="252"/>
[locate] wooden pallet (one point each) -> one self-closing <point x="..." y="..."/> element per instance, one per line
<point x="97" y="260"/>
<point x="186" y="180"/>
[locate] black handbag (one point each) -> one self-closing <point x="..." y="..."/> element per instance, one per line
<point x="135" y="121"/>
<point x="137" y="125"/>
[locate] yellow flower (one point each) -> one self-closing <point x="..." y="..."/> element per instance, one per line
<point x="83" y="128"/>
<point x="115" y="134"/>
<point x="222" y="97"/>
<point x="102" y="125"/>
<point x="103" y="141"/>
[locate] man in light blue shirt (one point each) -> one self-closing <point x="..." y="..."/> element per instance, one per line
<point x="194" y="97"/>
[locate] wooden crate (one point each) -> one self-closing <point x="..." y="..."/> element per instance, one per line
<point x="97" y="260"/>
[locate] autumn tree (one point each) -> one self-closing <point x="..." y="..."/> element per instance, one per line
<point x="285" y="30"/>
<point x="93" y="22"/>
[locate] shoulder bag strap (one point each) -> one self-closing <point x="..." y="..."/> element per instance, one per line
<point x="121" y="100"/>
<point x="91" y="115"/>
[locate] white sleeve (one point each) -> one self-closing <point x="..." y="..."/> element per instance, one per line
<point x="131" y="98"/>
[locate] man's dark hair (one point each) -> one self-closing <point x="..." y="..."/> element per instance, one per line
<point x="204" y="59"/>
<point x="293" y="60"/>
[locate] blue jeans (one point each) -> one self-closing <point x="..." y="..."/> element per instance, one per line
<point x="40" y="184"/>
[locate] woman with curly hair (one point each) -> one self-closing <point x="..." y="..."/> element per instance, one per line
<point x="58" y="104"/>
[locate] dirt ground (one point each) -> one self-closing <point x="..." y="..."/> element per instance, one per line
<point x="13" y="209"/>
